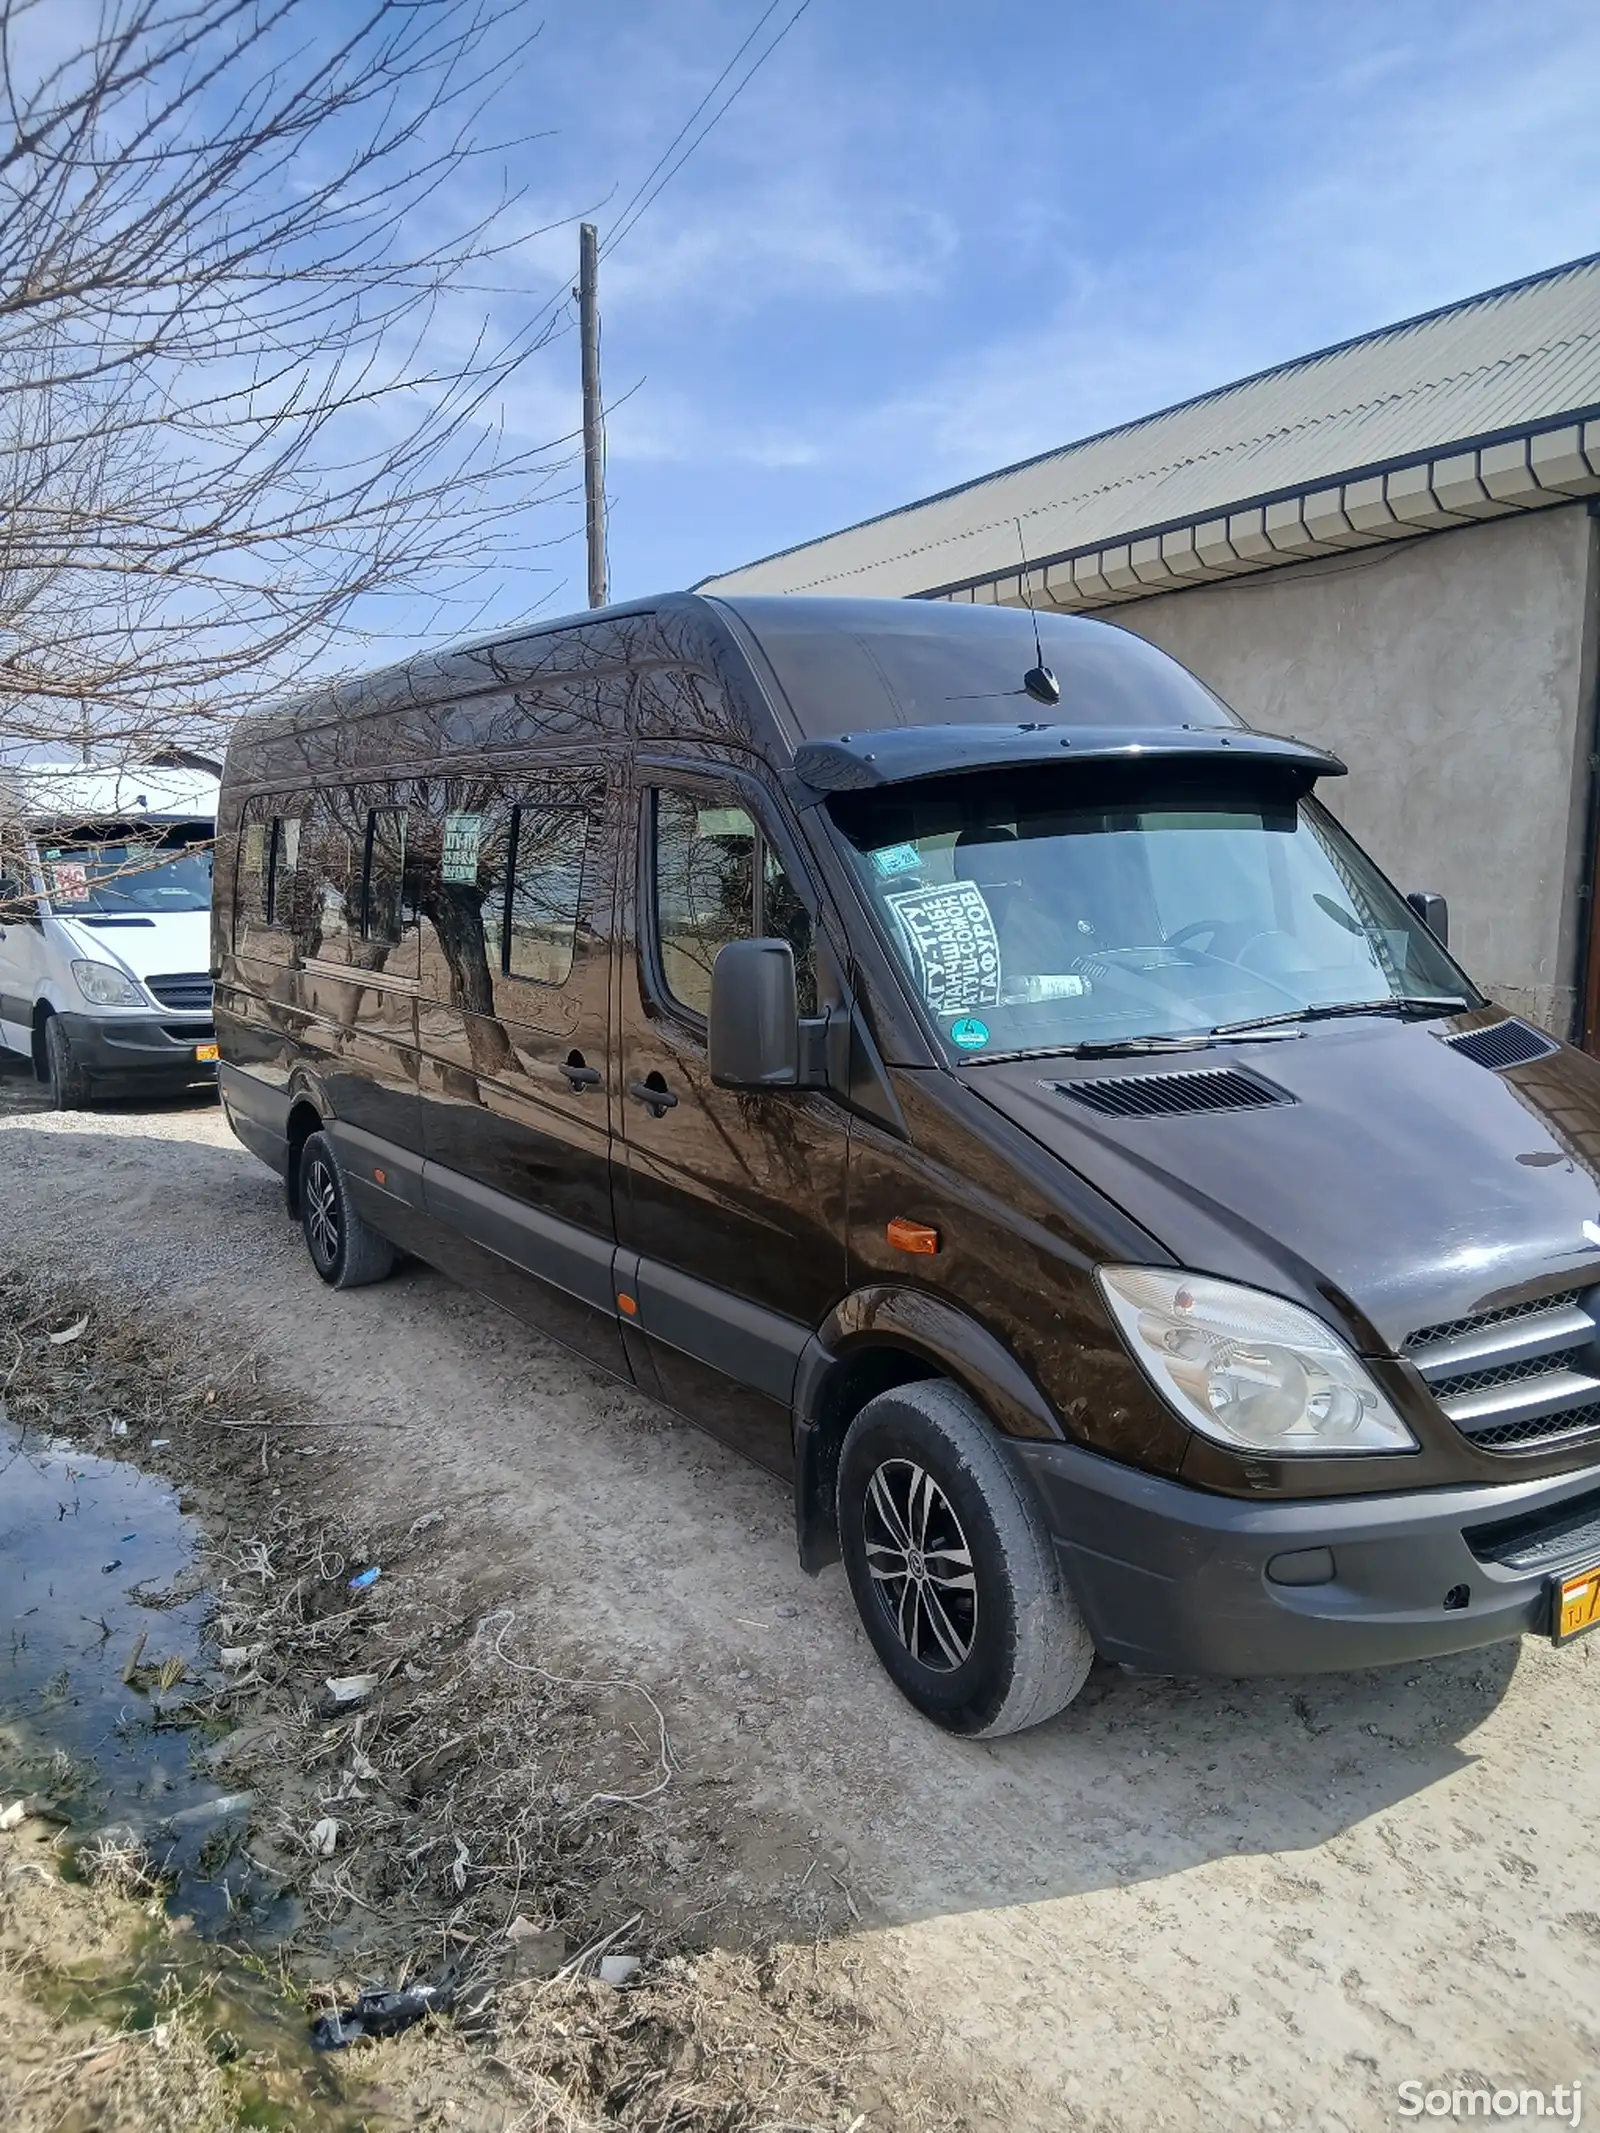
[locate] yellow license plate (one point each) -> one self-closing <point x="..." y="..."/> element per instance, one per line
<point x="1575" y="1605"/>
<point x="205" y="1053"/>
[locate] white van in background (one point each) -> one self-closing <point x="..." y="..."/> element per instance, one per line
<point x="105" y="916"/>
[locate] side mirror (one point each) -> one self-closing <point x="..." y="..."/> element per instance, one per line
<point x="1433" y="911"/>
<point x="755" y="1017"/>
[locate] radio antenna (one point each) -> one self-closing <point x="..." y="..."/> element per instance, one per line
<point x="1039" y="682"/>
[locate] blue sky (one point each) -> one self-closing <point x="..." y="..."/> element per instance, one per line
<point x="931" y="238"/>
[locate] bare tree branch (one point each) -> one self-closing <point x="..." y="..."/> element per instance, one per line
<point x="252" y="375"/>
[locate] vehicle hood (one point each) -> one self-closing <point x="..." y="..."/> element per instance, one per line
<point x="1403" y="1184"/>
<point x="169" y="942"/>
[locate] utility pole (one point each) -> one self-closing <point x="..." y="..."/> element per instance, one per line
<point x="594" y="459"/>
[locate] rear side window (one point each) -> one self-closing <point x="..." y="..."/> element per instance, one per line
<point x="716" y="880"/>
<point x="499" y="870"/>
<point x="328" y="911"/>
<point x="269" y="852"/>
<point x="548" y="844"/>
<point x="385" y="874"/>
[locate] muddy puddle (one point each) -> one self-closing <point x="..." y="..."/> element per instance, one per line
<point x="106" y="1729"/>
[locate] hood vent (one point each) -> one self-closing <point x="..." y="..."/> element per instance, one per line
<point x="1171" y="1095"/>
<point x="1502" y="1044"/>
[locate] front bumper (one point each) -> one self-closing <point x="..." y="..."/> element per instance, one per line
<point x="142" y="1049"/>
<point x="1175" y="1581"/>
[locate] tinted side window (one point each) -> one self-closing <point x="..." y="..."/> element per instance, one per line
<point x="250" y="903"/>
<point x="717" y="879"/>
<point x="282" y="866"/>
<point x="385" y="873"/>
<point x="327" y="906"/>
<point x="548" y="845"/>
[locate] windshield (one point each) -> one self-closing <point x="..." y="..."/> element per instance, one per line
<point x="125" y="874"/>
<point x="1058" y="908"/>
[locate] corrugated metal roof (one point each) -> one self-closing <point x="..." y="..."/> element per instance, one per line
<point x="1495" y="365"/>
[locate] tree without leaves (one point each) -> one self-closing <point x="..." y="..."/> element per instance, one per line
<point x="248" y="387"/>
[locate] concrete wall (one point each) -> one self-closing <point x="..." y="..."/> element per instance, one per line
<point x="1455" y="674"/>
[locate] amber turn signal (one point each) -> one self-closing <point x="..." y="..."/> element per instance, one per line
<point x="912" y="1236"/>
<point x="627" y="1306"/>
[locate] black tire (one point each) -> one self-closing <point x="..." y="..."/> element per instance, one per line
<point x="981" y="1650"/>
<point x="70" y="1088"/>
<point x="345" y="1249"/>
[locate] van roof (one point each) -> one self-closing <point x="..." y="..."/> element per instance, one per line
<point x="137" y="792"/>
<point x="829" y="665"/>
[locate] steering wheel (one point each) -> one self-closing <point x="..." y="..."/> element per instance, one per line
<point x="1229" y="937"/>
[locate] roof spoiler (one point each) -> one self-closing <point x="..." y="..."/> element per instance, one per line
<point x="859" y="762"/>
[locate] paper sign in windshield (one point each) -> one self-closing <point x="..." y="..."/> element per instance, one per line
<point x="69" y="882"/>
<point x="954" y="947"/>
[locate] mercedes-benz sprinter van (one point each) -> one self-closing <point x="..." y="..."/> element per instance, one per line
<point x="105" y="929"/>
<point x="974" y="1075"/>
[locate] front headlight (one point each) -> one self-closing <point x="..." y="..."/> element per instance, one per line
<point x="106" y="986"/>
<point x="1250" y="1370"/>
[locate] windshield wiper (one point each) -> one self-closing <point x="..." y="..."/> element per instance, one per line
<point x="1391" y="1004"/>
<point x="1177" y="1041"/>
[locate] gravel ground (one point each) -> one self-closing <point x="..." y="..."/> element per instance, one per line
<point x="1178" y="1905"/>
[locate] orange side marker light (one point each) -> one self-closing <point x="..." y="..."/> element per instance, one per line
<point x="382" y="1176"/>
<point x="912" y="1236"/>
<point x="627" y="1305"/>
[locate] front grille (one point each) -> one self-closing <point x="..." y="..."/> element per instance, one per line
<point x="1425" y="1336"/>
<point x="1539" y="1433"/>
<point x="1520" y="1378"/>
<point x="1502" y="1044"/>
<point x="183" y="990"/>
<point x="189" y="1032"/>
<point x="1169" y="1095"/>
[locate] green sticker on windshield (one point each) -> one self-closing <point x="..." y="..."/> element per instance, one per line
<point x="971" y="1034"/>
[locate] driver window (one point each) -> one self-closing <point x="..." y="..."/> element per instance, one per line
<point x="717" y="879"/>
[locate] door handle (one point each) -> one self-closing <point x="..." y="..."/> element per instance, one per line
<point x="579" y="1075"/>
<point x="654" y="1094"/>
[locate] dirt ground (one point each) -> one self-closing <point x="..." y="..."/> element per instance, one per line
<point x="1181" y="1904"/>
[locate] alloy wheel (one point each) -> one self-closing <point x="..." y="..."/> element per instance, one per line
<point x="921" y="1564"/>
<point x="322" y="1211"/>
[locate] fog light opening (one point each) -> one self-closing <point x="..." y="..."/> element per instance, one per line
<point x="1456" y="1598"/>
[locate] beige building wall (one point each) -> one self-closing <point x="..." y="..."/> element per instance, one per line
<point x="1455" y="673"/>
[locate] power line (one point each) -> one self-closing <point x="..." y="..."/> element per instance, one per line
<point x="626" y="210"/>
<point x="643" y="197"/>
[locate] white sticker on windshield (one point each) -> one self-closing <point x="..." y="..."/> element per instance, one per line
<point x="955" y="950"/>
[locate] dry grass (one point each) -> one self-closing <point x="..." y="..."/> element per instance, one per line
<point x="485" y="1779"/>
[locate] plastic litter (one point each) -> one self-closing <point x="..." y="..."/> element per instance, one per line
<point x="619" y="1970"/>
<point x="350" y="1688"/>
<point x="159" y="1444"/>
<point x="114" y="1564"/>
<point x="376" y="2014"/>
<point x="323" y="1837"/>
<point x="363" y="1579"/>
<point x="14" y="1816"/>
<point x="221" y="1809"/>
<point x="70" y="1333"/>
<point x="119" y="1429"/>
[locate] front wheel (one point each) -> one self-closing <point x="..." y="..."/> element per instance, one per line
<point x="345" y="1249"/>
<point x="69" y="1084"/>
<point x="952" y="1569"/>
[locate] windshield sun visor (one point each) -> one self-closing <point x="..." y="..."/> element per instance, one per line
<point x="897" y="755"/>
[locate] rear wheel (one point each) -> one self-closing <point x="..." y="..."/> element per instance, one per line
<point x="345" y="1249"/>
<point x="69" y="1084"/>
<point x="952" y="1568"/>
